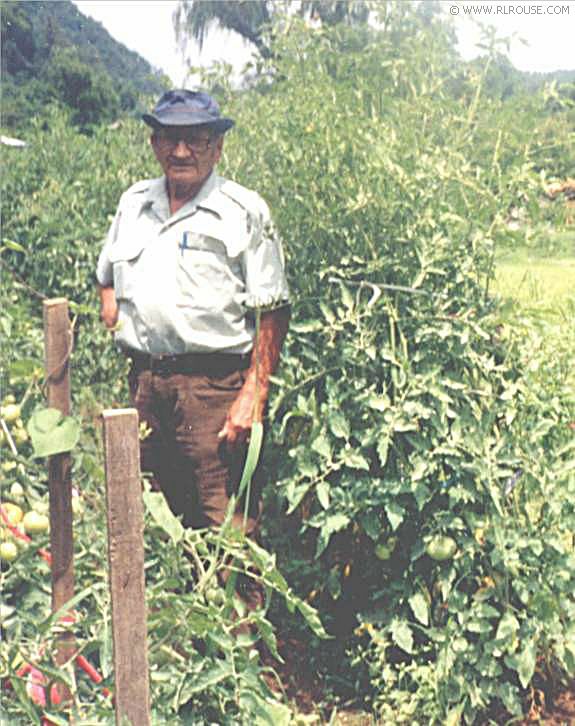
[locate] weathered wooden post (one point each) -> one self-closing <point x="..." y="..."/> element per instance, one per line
<point x="126" y="566"/>
<point x="57" y="350"/>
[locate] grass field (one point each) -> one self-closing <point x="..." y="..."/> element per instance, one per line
<point x="537" y="282"/>
<point x="539" y="295"/>
<point x="542" y="289"/>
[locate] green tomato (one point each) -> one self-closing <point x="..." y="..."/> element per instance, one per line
<point x="214" y="595"/>
<point x="10" y="413"/>
<point x="20" y="435"/>
<point x="35" y="523"/>
<point x="384" y="550"/>
<point x="441" y="548"/>
<point x="16" y="490"/>
<point x="8" y="551"/>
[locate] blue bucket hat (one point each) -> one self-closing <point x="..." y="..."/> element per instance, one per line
<point x="181" y="107"/>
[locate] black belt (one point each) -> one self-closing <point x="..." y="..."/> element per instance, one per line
<point x="211" y="364"/>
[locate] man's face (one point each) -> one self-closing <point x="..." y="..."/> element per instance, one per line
<point x="187" y="154"/>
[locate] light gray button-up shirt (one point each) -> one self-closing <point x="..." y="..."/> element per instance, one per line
<point x="185" y="282"/>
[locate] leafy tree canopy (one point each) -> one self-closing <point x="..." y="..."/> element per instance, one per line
<point x="249" y="18"/>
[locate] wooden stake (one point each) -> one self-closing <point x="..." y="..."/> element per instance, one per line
<point x="57" y="349"/>
<point x="126" y="566"/>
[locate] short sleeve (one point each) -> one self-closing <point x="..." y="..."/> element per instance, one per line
<point x="264" y="264"/>
<point x="104" y="271"/>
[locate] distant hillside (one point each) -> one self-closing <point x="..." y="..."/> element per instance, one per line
<point x="503" y="80"/>
<point x="52" y="52"/>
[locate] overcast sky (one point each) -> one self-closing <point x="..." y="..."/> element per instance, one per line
<point x="146" y="26"/>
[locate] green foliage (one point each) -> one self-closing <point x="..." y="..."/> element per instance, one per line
<point x="202" y="639"/>
<point x="91" y="95"/>
<point x="59" y="199"/>
<point x="52" y="433"/>
<point x="18" y="43"/>
<point x="52" y="53"/>
<point x="403" y="404"/>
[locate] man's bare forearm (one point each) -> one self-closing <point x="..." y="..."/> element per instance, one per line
<point x="250" y="403"/>
<point x="266" y="354"/>
<point x="108" y="305"/>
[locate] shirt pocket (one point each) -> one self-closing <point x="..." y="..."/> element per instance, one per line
<point x="124" y="257"/>
<point x="207" y="276"/>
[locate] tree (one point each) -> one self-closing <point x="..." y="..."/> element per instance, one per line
<point x="246" y="18"/>
<point x="18" y="44"/>
<point x="249" y="18"/>
<point x="90" y="94"/>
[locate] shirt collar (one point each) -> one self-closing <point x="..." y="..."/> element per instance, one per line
<point x="156" y="198"/>
<point x="209" y="197"/>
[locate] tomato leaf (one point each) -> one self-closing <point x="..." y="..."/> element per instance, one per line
<point x="52" y="433"/>
<point x="311" y="617"/>
<point x="395" y="514"/>
<point x="383" y="448"/>
<point x="15" y="246"/>
<point x="339" y="425"/>
<point x="334" y="523"/>
<point x="162" y="515"/>
<point x="24" y="367"/>
<point x="402" y="635"/>
<point x="454" y="716"/>
<point x="207" y="678"/>
<point x="322" y="491"/>
<point x="418" y="605"/>
<point x="355" y="460"/>
<point x="307" y="326"/>
<point x="265" y="712"/>
<point x="321" y="445"/>
<point x="508" y="627"/>
<point x="526" y="663"/>
<point x="371" y="525"/>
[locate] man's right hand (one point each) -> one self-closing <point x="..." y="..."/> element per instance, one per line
<point x="108" y="306"/>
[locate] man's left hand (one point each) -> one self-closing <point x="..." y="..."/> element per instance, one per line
<point x="240" y="417"/>
<point x="249" y="407"/>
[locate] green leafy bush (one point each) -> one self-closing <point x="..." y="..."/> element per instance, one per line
<point x="404" y="410"/>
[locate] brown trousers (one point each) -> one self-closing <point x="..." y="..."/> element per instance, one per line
<point x="182" y="453"/>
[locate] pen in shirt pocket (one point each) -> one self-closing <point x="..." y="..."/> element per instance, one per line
<point x="184" y="243"/>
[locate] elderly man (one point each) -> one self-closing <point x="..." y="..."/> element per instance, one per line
<point x="190" y="261"/>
